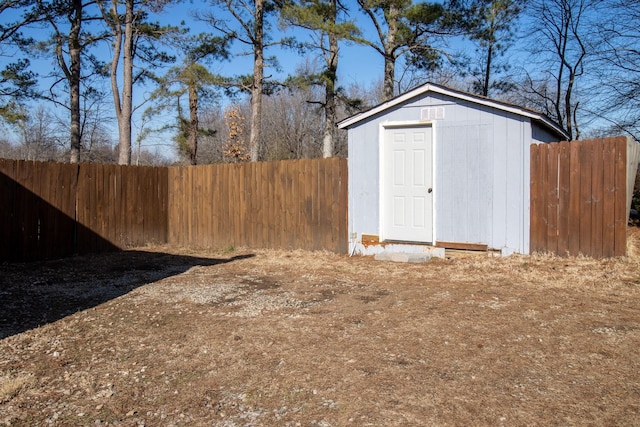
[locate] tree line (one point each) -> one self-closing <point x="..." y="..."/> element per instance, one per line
<point x="577" y="61"/>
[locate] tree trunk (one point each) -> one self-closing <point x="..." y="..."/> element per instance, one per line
<point x="113" y="72"/>
<point x="126" y="110"/>
<point x="389" y="77"/>
<point x="193" y="125"/>
<point x="328" y="144"/>
<point x="487" y="70"/>
<point x="255" y="136"/>
<point x="393" y="16"/>
<point x="74" y="80"/>
<point x="568" y="106"/>
<point x="561" y="49"/>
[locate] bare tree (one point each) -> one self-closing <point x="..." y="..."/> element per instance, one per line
<point x="293" y="126"/>
<point x="95" y="130"/>
<point x="618" y="66"/>
<point x="211" y="145"/>
<point x="561" y="28"/>
<point x="247" y="26"/>
<point x="38" y="138"/>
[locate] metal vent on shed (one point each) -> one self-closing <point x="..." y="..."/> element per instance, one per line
<point x="432" y="113"/>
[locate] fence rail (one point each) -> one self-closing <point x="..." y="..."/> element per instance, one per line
<point x="53" y="210"/>
<point x="580" y="196"/>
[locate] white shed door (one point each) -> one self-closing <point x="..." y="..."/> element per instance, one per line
<point x="407" y="193"/>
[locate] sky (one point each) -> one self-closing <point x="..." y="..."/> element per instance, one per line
<point x="358" y="64"/>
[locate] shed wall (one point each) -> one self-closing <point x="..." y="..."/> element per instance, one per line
<point x="481" y="173"/>
<point x="540" y="134"/>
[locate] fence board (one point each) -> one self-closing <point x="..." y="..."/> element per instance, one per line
<point x="228" y="205"/>
<point x="28" y="211"/>
<point x="609" y="188"/>
<point x="310" y="179"/>
<point x="172" y="202"/>
<point x="272" y="211"/>
<point x="586" y="148"/>
<point x="284" y="200"/>
<point x="254" y="204"/>
<point x="597" y="197"/>
<point x="536" y="227"/>
<point x="564" y="184"/>
<point x="190" y="201"/>
<point x="7" y="192"/>
<point x="46" y="211"/>
<point x="620" y="198"/>
<point x="574" y="199"/>
<point x="551" y="185"/>
<point x="23" y="214"/>
<point x="278" y="207"/>
<point x="544" y="165"/>
<point x="217" y="200"/>
<point x="7" y="198"/>
<point x="240" y="191"/>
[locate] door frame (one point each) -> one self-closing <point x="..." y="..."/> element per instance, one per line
<point x="382" y="128"/>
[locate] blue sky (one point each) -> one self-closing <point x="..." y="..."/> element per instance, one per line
<point x="358" y="64"/>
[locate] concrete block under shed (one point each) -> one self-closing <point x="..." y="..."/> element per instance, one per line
<point x="402" y="257"/>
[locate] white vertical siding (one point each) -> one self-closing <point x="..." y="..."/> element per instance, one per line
<point x="516" y="175"/>
<point x="491" y="147"/>
<point x="500" y="184"/>
<point x="363" y="180"/>
<point x="464" y="189"/>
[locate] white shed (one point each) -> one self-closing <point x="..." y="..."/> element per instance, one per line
<point x="436" y="167"/>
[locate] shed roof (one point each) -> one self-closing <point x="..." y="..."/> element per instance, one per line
<point x="476" y="99"/>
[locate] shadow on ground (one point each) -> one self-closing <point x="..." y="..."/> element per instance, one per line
<point x="36" y="293"/>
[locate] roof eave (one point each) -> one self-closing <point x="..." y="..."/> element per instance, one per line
<point x="427" y="87"/>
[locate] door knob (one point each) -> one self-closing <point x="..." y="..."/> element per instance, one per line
<point x="430" y="190"/>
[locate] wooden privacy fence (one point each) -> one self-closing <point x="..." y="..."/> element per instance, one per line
<point x="287" y="204"/>
<point x="50" y="210"/>
<point x="580" y="196"/>
<point x="121" y="205"/>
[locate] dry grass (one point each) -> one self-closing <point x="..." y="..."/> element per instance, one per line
<point x="262" y="338"/>
<point x="11" y="385"/>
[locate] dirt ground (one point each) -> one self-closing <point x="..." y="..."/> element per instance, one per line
<point x="164" y="337"/>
